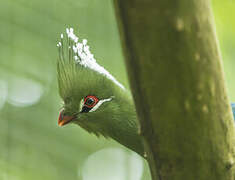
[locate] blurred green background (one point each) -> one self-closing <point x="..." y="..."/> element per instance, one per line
<point x="32" y="145"/>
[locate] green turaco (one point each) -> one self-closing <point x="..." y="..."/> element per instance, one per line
<point x="93" y="98"/>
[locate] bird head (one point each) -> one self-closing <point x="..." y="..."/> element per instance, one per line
<point x="91" y="95"/>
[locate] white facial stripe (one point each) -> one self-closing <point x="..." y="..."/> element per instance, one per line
<point x="99" y="104"/>
<point x="81" y="105"/>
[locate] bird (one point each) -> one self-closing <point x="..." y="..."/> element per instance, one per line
<point x="93" y="98"/>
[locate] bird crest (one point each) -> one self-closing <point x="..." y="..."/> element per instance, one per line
<point x="77" y="68"/>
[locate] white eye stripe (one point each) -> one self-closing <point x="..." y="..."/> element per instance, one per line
<point x="99" y="104"/>
<point x="81" y="105"/>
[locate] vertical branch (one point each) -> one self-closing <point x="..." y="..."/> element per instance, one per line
<point x="177" y="81"/>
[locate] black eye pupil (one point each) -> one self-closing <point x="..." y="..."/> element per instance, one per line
<point x="89" y="101"/>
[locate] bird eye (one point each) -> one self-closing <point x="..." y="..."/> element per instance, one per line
<point x="90" y="101"/>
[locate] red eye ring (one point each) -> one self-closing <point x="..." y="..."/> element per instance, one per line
<point x="93" y="101"/>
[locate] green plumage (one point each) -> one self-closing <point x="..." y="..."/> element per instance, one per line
<point x="116" y="118"/>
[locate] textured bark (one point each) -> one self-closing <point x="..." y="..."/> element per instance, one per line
<point x="177" y="81"/>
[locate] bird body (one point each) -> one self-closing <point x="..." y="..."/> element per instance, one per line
<point x="93" y="98"/>
<point x="233" y="108"/>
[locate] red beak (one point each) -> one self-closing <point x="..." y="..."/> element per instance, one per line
<point x="64" y="119"/>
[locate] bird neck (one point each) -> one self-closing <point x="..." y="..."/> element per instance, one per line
<point x="125" y="125"/>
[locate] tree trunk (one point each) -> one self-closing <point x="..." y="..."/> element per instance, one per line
<point x="177" y="81"/>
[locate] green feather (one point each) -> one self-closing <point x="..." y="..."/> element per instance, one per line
<point x="116" y="118"/>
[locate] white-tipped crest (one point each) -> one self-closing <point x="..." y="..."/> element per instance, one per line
<point x="82" y="55"/>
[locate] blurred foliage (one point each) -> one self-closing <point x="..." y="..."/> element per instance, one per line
<point x="32" y="145"/>
<point x="224" y="12"/>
